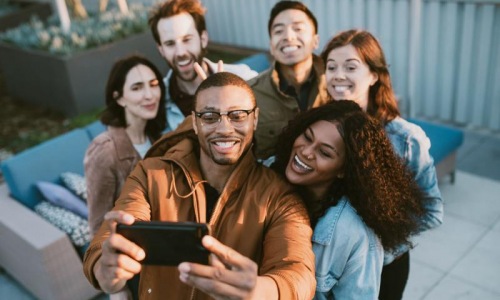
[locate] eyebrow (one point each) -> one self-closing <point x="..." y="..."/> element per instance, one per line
<point x="324" y="144"/>
<point x="349" y="60"/>
<point x="188" y="35"/>
<point x="137" y="83"/>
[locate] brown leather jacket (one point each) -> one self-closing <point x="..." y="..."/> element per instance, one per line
<point x="277" y="108"/>
<point x="257" y="214"/>
<point x="108" y="161"/>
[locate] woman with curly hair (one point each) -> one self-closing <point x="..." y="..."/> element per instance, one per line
<point x="356" y="69"/>
<point x="360" y="197"/>
<point x="135" y="117"/>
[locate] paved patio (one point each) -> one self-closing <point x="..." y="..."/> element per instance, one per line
<point x="459" y="260"/>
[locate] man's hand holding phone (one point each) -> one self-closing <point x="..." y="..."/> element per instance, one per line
<point x="120" y="259"/>
<point x="230" y="275"/>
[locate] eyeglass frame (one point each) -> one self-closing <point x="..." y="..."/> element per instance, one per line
<point x="226" y="114"/>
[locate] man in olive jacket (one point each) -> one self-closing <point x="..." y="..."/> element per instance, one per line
<point x="296" y="81"/>
<point x="260" y="236"/>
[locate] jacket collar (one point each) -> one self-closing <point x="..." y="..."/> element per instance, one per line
<point x="186" y="154"/>
<point x="325" y="228"/>
<point x="124" y="147"/>
<point x="318" y="68"/>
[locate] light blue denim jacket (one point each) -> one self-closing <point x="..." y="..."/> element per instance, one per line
<point x="174" y="114"/>
<point x="349" y="256"/>
<point x="412" y="144"/>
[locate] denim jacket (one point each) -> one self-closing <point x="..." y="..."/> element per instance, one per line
<point x="174" y="114"/>
<point x="411" y="143"/>
<point x="349" y="256"/>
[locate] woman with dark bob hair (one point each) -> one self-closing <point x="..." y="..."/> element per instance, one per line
<point x="360" y="197"/>
<point x="356" y="69"/>
<point x="135" y="117"/>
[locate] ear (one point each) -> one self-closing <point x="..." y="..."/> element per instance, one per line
<point x="256" y="118"/>
<point x="204" y="39"/>
<point x="316" y="41"/>
<point x="160" y="49"/>
<point x="119" y="100"/>
<point x="375" y="78"/>
<point x="194" y="123"/>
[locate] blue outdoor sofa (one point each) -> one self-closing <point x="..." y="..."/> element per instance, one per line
<point x="36" y="253"/>
<point x="42" y="258"/>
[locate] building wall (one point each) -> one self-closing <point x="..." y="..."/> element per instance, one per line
<point x="444" y="55"/>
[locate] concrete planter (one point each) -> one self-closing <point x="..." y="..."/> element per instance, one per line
<point x="74" y="84"/>
<point x="23" y="12"/>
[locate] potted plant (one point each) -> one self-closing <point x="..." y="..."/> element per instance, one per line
<point x="66" y="69"/>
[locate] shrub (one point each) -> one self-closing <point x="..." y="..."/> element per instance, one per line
<point x="98" y="29"/>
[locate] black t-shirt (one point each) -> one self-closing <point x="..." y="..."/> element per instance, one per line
<point x="305" y="89"/>
<point x="212" y="196"/>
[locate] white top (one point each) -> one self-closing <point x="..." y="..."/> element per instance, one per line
<point x="143" y="148"/>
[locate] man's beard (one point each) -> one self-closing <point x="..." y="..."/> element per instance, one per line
<point x="190" y="56"/>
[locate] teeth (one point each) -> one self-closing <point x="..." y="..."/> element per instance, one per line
<point x="183" y="63"/>
<point x="225" y="144"/>
<point x="341" y="89"/>
<point x="290" y="49"/>
<point x="302" y="164"/>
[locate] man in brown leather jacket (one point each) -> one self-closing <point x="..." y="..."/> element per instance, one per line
<point x="260" y="236"/>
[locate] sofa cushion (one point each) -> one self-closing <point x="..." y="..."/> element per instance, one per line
<point x="257" y="62"/>
<point x="62" y="197"/>
<point x="94" y="129"/>
<point x="44" y="162"/>
<point x="76" y="183"/>
<point x="75" y="226"/>
<point x="444" y="139"/>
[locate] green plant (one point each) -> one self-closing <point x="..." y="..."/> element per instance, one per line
<point x="98" y="29"/>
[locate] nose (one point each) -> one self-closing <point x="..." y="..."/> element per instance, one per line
<point x="290" y="34"/>
<point x="224" y="124"/>
<point x="308" y="152"/>
<point x="148" y="93"/>
<point x="180" y="49"/>
<point x="338" y="74"/>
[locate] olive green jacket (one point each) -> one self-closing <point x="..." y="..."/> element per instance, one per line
<point x="277" y="108"/>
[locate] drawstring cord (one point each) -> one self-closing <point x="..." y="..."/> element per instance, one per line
<point x="191" y="193"/>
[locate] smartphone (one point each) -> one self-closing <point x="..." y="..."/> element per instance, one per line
<point x="168" y="243"/>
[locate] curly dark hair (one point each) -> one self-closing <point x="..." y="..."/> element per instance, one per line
<point x="376" y="181"/>
<point x="382" y="102"/>
<point x="114" y="114"/>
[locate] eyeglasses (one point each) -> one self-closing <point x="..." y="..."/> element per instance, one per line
<point x="213" y="118"/>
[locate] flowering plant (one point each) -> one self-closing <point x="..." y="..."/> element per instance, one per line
<point x="98" y="29"/>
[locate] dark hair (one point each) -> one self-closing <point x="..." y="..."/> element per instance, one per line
<point x="382" y="103"/>
<point x="175" y="7"/>
<point x="114" y="114"/>
<point x="285" y="5"/>
<point x="223" y="79"/>
<point x="376" y="181"/>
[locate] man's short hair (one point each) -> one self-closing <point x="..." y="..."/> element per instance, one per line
<point x="221" y="79"/>
<point x="285" y="5"/>
<point x="172" y="8"/>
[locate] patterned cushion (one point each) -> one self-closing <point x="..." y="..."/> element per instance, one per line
<point x="76" y="227"/>
<point x="62" y="197"/>
<point x="75" y="183"/>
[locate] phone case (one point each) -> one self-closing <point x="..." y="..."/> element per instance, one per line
<point x="168" y="243"/>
